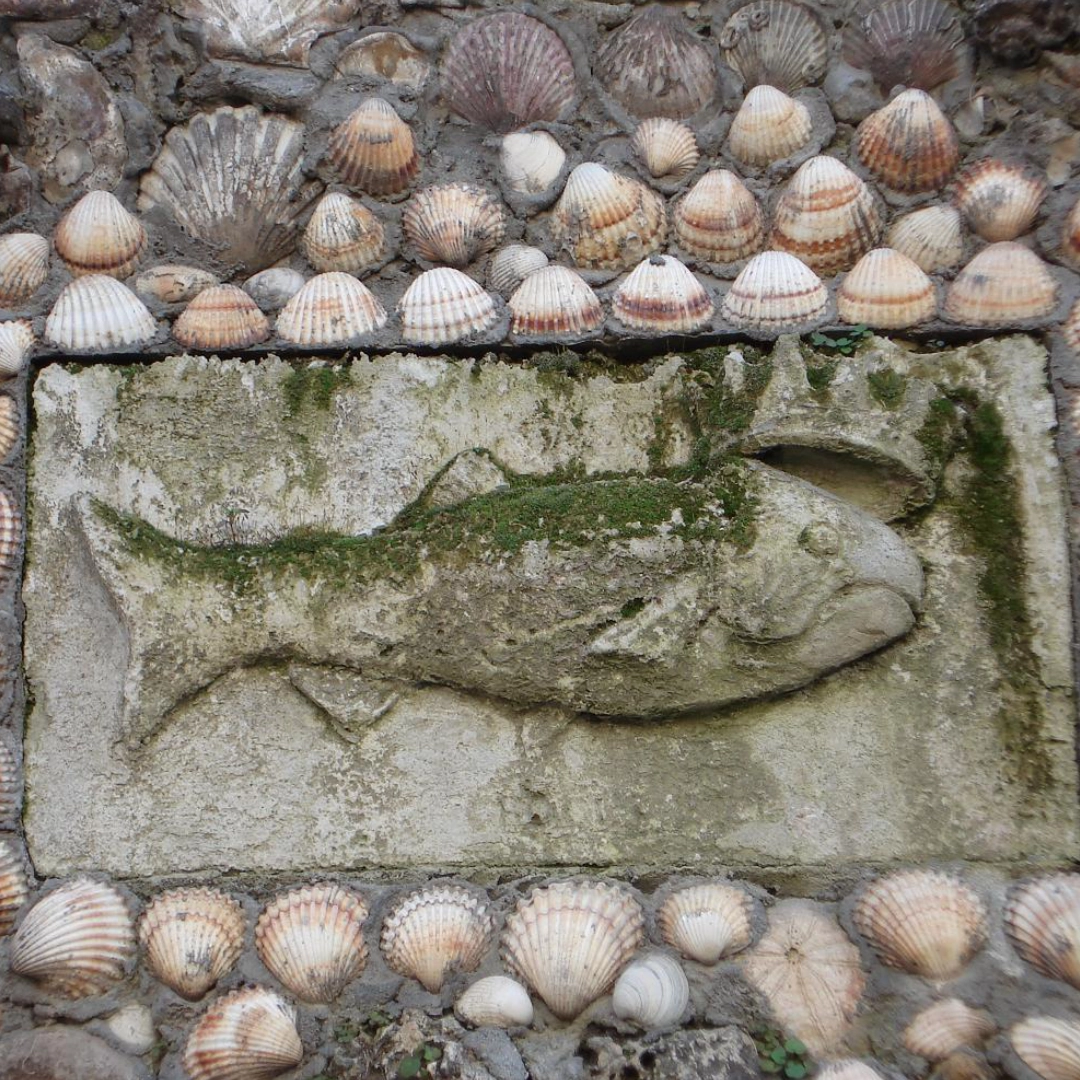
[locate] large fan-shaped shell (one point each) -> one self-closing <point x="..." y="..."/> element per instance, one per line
<point x="531" y="160"/>
<point x="170" y="284"/>
<point x="887" y="290"/>
<point x="331" y="309"/>
<point x="945" y="1027"/>
<point x="221" y="317"/>
<point x="14" y="884"/>
<point x="773" y="292"/>
<point x="385" y="54"/>
<point x="24" y="266"/>
<point x="1071" y="328"/>
<point x="98" y="236"/>
<point x="932" y="238"/>
<point x="374" y="149"/>
<point x="662" y="296"/>
<point x="9" y="789"/>
<point x="444" y="305"/>
<point x="1042" y="920"/>
<point x="707" y="922"/>
<point x="719" y="221"/>
<point x="11" y="538"/>
<point x="511" y="265"/>
<point x="16" y="341"/>
<point x="506" y="70"/>
<point x="495" y="1002"/>
<point x="999" y="200"/>
<point x="569" y="942"/>
<point x="454" y="223"/>
<point x="98" y="312"/>
<point x="272" y="289"/>
<point x="10" y="426"/>
<point x="1005" y="283"/>
<point x="668" y="148"/>
<point x="1070" y="237"/>
<point x="1048" y="1046"/>
<point x="552" y="302"/>
<point x="768" y="127"/>
<point x="343" y="234"/>
<point x="776" y="42"/>
<point x="77" y="939"/>
<point x="652" y="992"/>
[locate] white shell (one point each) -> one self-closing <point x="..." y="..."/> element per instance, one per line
<point x="444" y="305"/>
<point x="98" y="312"/>
<point x="169" y="284"/>
<point x="10" y="426"/>
<point x="343" y="234"/>
<point x="668" y="147"/>
<point x="1048" y="1046"/>
<point x="16" y="341"/>
<point x="662" y="296"/>
<point x="24" y="266"/>
<point x="707" y="922"/>
<point x="10" y="784"/>
<point x="932" y="238"/>
<point x="1042" y="920"/>
<point x="554" y="301"/>
<point x="652" y="992"/>
<point x="848" y="1069"/>
<point x="272" y="289"/>
<point x="11" y="538"/>
<point x="775" y="291"/>
<point x="945" y="1027"/>
<point x="998" y="199"/>
<point x="511" y="265"/>
<point x="14" y="884"/>
<point x="768" y="127"/>
<point x="531" y="160"/>
<point x="98" y="236"/>
<point x="331" y="309"/>
<point x="496" y="1001"/>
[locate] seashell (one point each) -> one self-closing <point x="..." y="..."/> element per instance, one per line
<point x="706" y="922"/>
<point x="506" y="70"/>
<point x="921" y="921"/>
<point x="964" y="1065"/>
<point x="343" y="234"/>
<point x="826" y="216"/>
<point x="331" y="309"/>
<point x="453" y="223"/>
<point x="1042" y="920"/>
<point x="652" y="992"/>
<point x="374" y="149"/>
<point x="886" y="290"/>
<point x="932" y="238"/>
<point x="719" y="221"/>
<point x="76" y="940"/>
<point x="776" y="42"/>
<point x="608" y="221"/>
<point x="16" y="341"/>
<point x="173" y="284"/>
<point x="808" y="970"/>
<point x="10" y="428"/>
<point x="768" y="127"/>
<point x="654" y="67"/>
<point x="444" y="305"/>
<point x="945" y="1027"/>
<point x="221" y="317"/>
<point x="1048" y="1046"/>
<point x="667" y="147"/>
<point x="233" y="178"/>
<point x="552" y="302"/>
<point x="249" y="1034"/>
<point x="312" y="940"/>
<point x="660" y="295"/>
<point x="773" y="292"/>
<point x="9" y="789"/>
<point x="848" y="1069"/>
<point x="272" y="289"/>
<point x="385" y="55"/>
<point x="999" y="200"/>
<point x="98" y="312"/>
<point x="437" y="931"/>
<point x="511" y="265"/>
<point x="98" y="236"/>
<point x="495" y="1002"/>
<point x="909" y="145"/>
<point x="14" y="885"/>
<point x="11" y="538"/>
<point x="24" y="266"/>
<point x="1005" y="283"/>
<point x="531" y="160"/>
<point x="1070" y="328"/>
<point x="1070" y="237"/>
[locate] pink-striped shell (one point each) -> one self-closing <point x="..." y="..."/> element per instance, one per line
<point x="99" y="236"/>
<point x="1042" y="919"/>
<point x="24" y="266"/>
<point x="554" y="301"/>
<point x="661" y="296"/>
<point x="14" y="884"/>
<point x="444" y="305"/>
<point x="331" y="309"/>
<point x="374" y="149"/>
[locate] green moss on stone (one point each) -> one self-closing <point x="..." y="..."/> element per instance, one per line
<point x="313" y="387"/>
<point x="887" y="387"/>
<point x="719" y="409"/>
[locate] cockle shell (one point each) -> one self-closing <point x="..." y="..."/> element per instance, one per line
<point x="776" y="42"/>
<point x="495" y="1002"/>
<point x="272" y="289"/>
<point x="444" y="305"/>
<point x="964" y="1065"/>
<point x="1070" y="237"/>
<point x="768" y="127"/>
<point x="719" y="221"/>
<point x="773" y="292"/>
<point x="945" y="1027"/>
<point x="385" y="54"/>
<point x="374" y="149"/>
<point x="531" y="160"/>
<point x="10" y="427"/>
<point x="249" y="1034"/>
<point x="454" y="223"/>
<point x="331" y="309"/>
<point x="848" y="1069"/>
<point x="312" y="940"/>
<point x="98" y="236"/>
<point x="436" y="931"/>
<point x="1005" y="283"/>
<point x="554" y="302"/>
<point x="173" y="284"/>
<point x="887" y="290"/>
<point x="76" y="940"/>
<point x="652" y="992"/>
<point x="707" y="922"/>
<point x="24" y="266"/>
<point x="1042" y="920"/>
<point x="9" y="789"/>
<point x="343" y="234"/>
<point x="16" y="341"/>
<point x="1049" y="1046"/>
<point x="506" y="70"/>
<point x="662" y="296"/>
<point x="569" y="942"/>
<point x="221" y="317"/>
<point x="1071" y="328"/>
<point x="922" y="921"/>
<point x="999" y="200"/>
<point x="511" y="265"/>
<point x="14" y="884"/>
<point x="932" y="238"/>
<point x="11" y="540"/>
<point x="98" y="312"/>
<point x="668" y="148"/>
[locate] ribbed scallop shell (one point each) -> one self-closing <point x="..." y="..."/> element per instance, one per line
<point x="11" y="539"/>
<point x="607" y="221"/>
<point x="999" y="200"/>
<point x="14" y="884"/>
<point x="652" y="992"/>
<point x="569" y="942"/>
<point x="826" y="216"/>
<point x="848" y="1069"/>
<point x="24" y="266"/>
<point x="1042" y="920"/>
<point x="16" y="341"/>
<point x="1070" y="237"/>
<point x="654" y="67"/>
<point x="511" y="265"/>
<point x="945" y="1027"/>
<point x="719" y="221"/>
<point x="1005" y="283"/>
<point x="272" y="289"/>
<point x="1048" y="1046"/>
<point x="506" y="70"/>
<point x="98" y="312"/>
<point x="192" y="938"/>
<point x="965" y="1065"/>
<point x="221" y="317"/>
<point x="668" y="148"/>
<point x="454" y="223"/>
<point x="531" y="160"/>
<point x="887" y="290"/>
<point x="10" y="428"/>
<point x="9" y="789"/>
<point x="808" y="970"/>
<point x="173" y="284"/>
<point x="331" y="309"/>
<point x="343" y="234"/>
<point x="76" y="940"/>
<point x="312" y="940"/>
<point x="1071" y="328"/>
<point x="374" y="149"/>
<point x="921" y="921"/>
<point x="775" y="42"/>
<point x="444" y="305"/>
<point x="932" y="238"/>
<point x="775" y="291"/>
<point x="768" y="127"/>
<point x="437" y="931"/>
<point x="707" y="922"/>
<point x="98" y="236"/>
<point x="495" y="1002"/>
<point x="662" y="296"/>
<point x="552" y="302"/>
<point x="248" y="1035"/>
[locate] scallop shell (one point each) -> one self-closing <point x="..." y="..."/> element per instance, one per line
<point x="9" y="789"/>
<point x="24" y="266"/>
<point x="221" y="317"/>
<point x="10" y="427"/>
<point x="1042" y="920"/>
<point x="1070" y="237"/>
<point x="98" y="312"/>
<point x="312" y="940"/>
<point x="385" y="54"/>
<point x="444" y="305"/>
<point x="11" y="537"/>
<point x="775" y="42"/>
<point x="554" y="302"/>
<point x="608" y="221"/>
<point x="374" y="149"/>
<point x="454" y="223"/>
<point x="249" y="1034"/>
<point x="886" y="290"/>
<point x="331" y="309"/>
<point x="1071" y="328"/>
<point x="652" y="992"/>
<point x="569" y="942"/>
<point x="343" y="234"/>
<point x="14" y="884"/>
<point x="826" y="216"/>
<point x="192" y="938"/>
<point x="272" y="289"/>
<point x="773" y="292"/>
<point x="173" y="284"/>
<point x="667" y="147"/>
<point x="921" y="921"/>
<point x="506" y="70"/>
<point x="1005" y="283"/>
<point x="848" y="1069"/>
<point x="945" y="1027"/>
<point x="999" y="200"/>
<point x="76" y="940"/>
<point x="661" y="296"/>
<point x="655" y="67"/>
<point x="1048" y="1046"/>
<point x="531" y="160"/>
<point x="768" y="127"/>
<point x="808" y="970"/>
<point x="511" y="265"/>
<point x="16" y="341"/>
<point x="437" y="931"/>
<point x="495" y="1002"/>
<point x="707" y="922"/>
<point x="964" y="1065"/>
<point x="932" y="238"/>
<point x="98" y="236"/>
<point x="719" y="221"/>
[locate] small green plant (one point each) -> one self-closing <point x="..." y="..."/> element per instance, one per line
<point x="423" y="1055"/>
<point x="845" y="344"/>
<point x="376" y="1021"/>
<point x="346" y="1032"/>
<point x="780" y="1056"/>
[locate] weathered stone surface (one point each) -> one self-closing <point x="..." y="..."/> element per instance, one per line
<point x="65" y="1053"/>
<point x="720" y="1054"/>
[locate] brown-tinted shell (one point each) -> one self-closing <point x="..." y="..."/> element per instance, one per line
<point x="10" y="786"/>
<point x="773" y="292"/>
<point x="999" y="199"/>
<point x="10" y="427"/>
<point x="661" y="296"/>
<point x="554" y="302"/>
<point x="172" y="284"/>
<point x="932" y="238"/>
<point x="707" y="922"/>
<point x="343" y="234"/>
<point x="24" y="266"/>
<point x="374" y="149"/>
<point x="98" y="236"/>
<point x="388" y="55"/>
<point x="16" y="341"/>
<point x="945" y="1027"/>
<point x="1005" y="283"/>
<point x="886" y="290"/>
<point x="776" y="42"/>
<point x="331" y="309"/>
<point x="668" y="148"/>
<point x="768" y="127"/>
<point x="11" y="536"/>
<point x="1042" y="920"/>
<point x="444" y="305"/>
<point x="511" y="265"/>
<point x="14" y="884"/>
<point x="221" y="317"/>
<point x="1048" y="1046"/>
<point x="1070" y="237"/>
<point x="454" y="223"/>
<point x="98" y="313"/>
<point x="719" y="221"/>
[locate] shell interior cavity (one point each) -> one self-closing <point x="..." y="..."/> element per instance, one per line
<point x="652" y="992"/>
<point x="707" y="922"/>
<point x="776" y="42"/>
<point x="388" y="55"/>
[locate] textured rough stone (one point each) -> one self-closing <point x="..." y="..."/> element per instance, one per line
<point x="64" y="1054"/>
<point x="720" y="1054"/>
